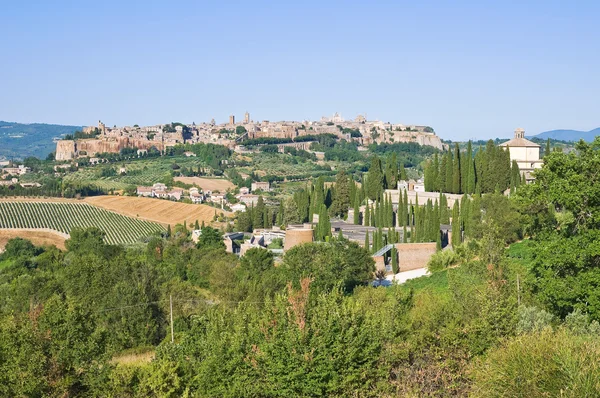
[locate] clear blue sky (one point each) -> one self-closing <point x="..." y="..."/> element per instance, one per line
<point x="470" y="69"/>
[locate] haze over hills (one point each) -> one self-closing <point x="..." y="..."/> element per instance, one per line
<point x="569" y="135"/>
<point x="35" y="139"/>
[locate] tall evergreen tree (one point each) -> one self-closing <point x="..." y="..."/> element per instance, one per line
<point x="367" y="220"/>
<point x="258" y="216"/>
<point x="444" y="214"/>
<point x="367" y="244"/>
<point x="323" y="229"/>
<point x="404" y="235"/>
<point x="374" y="179"/>
<point x="442" y="173"/>
<point x="402" y="172"/>
<point x="456" y="170"/>
<point x="436" y="173"/>
<point x="449" y="173"/>
<point x="456" y="234"/>
<point x="471" y="176"/>
<point x="356" y="219"/>
<point x="547" y="149"/>
<point x="394" y="254"/>
<point x="392" y="179"/>
<point x="341" y="201"/>
<point x="428" y="176"/>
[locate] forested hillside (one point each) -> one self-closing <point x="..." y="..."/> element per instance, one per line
<point x="36" y="139"/>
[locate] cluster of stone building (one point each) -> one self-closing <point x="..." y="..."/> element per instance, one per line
<point x="197" y="195"/>
<point x="231" y="134"/>
<point x="9" y="175"/>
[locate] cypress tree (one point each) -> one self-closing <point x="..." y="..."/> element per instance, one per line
<point x="395" y="268"/>
<point x="436" y="217"/>
<point x="324" y="225"/>
<point x="405" y="209"/>
<point x="442" y="173"/>
<point x="375" y="179"/>
<point x="373" y="215"/>
<point x="449" y="173"/>
<point x="367" y="245"/>
<point x="428" y="176"/>
<point x="341" y="202"/>
<point x="390" y="211"/>
<point x="456" y="170"/>
<point x="259" y="209"/>
<point x="456" y="235"/>
<point x="444" y="214"/>
<point x="356" y="219"/>
<point x="470" y="188"/>
<point x="436" y="173"/>
<point x="404" y="235"/>
<point x="280" y="214"/>
<point x="464" y="215"/>
<point x="402" y="172"/>
<point x="547" y="150"/>
<point x="196" y="225"/>
<point x="367" y="220"/>
<point x="393" y="178"/>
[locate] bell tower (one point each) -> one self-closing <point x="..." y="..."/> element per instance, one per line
<point x="520" y="133"/>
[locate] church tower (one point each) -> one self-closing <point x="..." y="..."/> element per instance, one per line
<point x="520" y="133"/>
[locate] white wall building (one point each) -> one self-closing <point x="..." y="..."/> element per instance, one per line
<point x="525" y="153"/>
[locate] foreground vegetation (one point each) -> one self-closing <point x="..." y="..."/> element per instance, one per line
<point x="491" y="321"/>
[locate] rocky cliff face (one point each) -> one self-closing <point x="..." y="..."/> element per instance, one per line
<point x="68" y="149"/>
<point x="65" y="150"/>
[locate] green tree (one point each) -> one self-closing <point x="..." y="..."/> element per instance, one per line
<point x="341" y="201"/>
<point x="211" y="237"/>
<point x="330" y="264"/>
<point x="456" y="170"/>
<point x="356" y="219"/>
<point x="374" y="184"/>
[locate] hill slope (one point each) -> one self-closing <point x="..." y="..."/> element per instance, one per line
<point x="36" y="139"/>
<point x="156" y="210"/>
<point x="569" y="135"/>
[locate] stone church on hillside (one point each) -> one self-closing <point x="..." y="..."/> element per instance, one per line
<point x="525" y="153"/>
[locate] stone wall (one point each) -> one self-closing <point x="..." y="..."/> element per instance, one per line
<point x="414" y="255"/>
<point x="295" y="237"/>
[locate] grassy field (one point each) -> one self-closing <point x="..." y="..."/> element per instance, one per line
<point x="157" y="210"/>
<point x="213" y="184"/>
<point x="62" y="216"/>
<point x="38" y="238"/>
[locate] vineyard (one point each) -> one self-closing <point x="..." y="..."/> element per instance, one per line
<point x="63" y="217"/>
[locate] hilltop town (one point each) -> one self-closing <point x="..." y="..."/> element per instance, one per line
<point x="102" y="139"/>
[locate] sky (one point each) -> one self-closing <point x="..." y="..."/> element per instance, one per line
<point x="470" y="69"/>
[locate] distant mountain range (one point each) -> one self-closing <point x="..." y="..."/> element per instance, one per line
<point x="569" y="135"/>
<point x="21" y="140"/>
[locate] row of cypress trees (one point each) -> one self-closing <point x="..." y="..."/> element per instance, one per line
<point x="487" y="170"/>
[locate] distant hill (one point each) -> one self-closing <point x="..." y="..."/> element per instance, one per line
<point x="569" y="135"/>
<point x="21" y="140"/>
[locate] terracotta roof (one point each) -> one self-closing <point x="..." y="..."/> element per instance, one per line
<point x="520" y="142"/>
